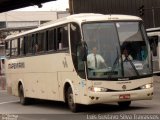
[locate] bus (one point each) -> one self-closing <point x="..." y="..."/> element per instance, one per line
<point x="154" y="40"/>
<point x="51" y="62"/>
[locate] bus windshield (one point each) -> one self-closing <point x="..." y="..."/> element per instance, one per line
<point x="116" y="50"/>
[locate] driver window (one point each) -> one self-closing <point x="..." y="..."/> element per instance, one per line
<point x="76" y="46"/>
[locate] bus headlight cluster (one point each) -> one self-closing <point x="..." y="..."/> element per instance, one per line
<point x="147" y="86"/>
<point x="97" y="89"/>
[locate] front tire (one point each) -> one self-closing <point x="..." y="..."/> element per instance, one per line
<point x="124" y="104"/>
<point x="70" y="100"/>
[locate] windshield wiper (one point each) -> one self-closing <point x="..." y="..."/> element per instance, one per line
<point x="133" y="66"/>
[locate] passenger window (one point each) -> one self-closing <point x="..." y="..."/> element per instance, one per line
<point x="8" y="48"/>
<point x="41" y="39"/>
<point x="51" y="40"/>
<point x="18" y="46"/>
<point x="21" y="44"/>
<point x="35" y="46"/>
<point x="28" y="44"/>
<point x="14" y="47"/>
<point x="63" y="38"/>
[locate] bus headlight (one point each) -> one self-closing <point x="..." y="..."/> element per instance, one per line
<point x="147" y="86"/>
<point x="97" y="89"/>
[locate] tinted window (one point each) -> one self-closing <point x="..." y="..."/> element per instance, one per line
<point x="28" y="44"/>
<point x="8" y="48"/>
<point x="76" y="45"/>
<point x="51" y="39"/>
<point x="63" y="37"/>
<point x="21" y="44"/>
<point x="41" y="40"/>
<point x="14" y="47"/>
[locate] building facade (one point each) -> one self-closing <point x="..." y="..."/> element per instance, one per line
<point x="148" y="10"/>
<point x="13" y="22"/>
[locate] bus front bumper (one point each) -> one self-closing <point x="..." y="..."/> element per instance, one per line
<point x="107" y="97"/>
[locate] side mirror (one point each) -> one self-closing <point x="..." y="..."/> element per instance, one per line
<point x="84" y="51"/>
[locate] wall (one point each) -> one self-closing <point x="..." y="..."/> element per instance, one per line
<point x="119" y="7"/>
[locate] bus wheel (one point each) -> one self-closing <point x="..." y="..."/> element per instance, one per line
<point x="73" y="106"/>
<point x="23" y="100"/>
<point x="124" y="104"/>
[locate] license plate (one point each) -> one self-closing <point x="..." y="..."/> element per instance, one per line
<point x="124" y="96"/>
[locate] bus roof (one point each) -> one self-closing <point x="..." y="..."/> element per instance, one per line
<point x="78" y="18"/>
<point x="153" y="31"/>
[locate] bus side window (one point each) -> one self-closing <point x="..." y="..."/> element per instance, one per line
<point x="18" y="46"/>
<point x="41" y="39"/>
<point x="34" y="43"/>
<point x="62" y="33"/>
<point x="7" y="48"/>
<point x="14" y="47"/>
<point x="51" y="41"/>
<point x="28" y="44"/>
<point x="154" y="44"/>
<point x="21" y="46"/>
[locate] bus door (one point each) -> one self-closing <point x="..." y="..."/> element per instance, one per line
<point x="155" y="48"/>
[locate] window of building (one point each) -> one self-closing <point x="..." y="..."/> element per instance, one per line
<point x="2" y="24"/>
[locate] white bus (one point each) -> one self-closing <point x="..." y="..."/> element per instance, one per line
<point x="51" y="62"/>
<point x="154" y="40"/>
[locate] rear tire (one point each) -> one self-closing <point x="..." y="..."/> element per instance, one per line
<point x="70" y="100"/>
<point x="23" y="100"/>
<point x="124" y="104"/>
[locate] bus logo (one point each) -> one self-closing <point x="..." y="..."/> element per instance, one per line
<point x="16" y="65"/>
<point x="65" y="64"/>
<point x="124" y="87"/>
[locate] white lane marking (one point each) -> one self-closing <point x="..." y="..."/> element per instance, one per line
<point x="8" y="102"/>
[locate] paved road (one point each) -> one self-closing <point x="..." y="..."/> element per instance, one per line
<point x="49" y="110"/>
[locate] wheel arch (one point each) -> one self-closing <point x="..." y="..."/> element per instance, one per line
<point x="20" y="83"/>
<point x="67" y="84"/>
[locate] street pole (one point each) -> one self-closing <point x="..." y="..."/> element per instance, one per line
<point x="153" y="16"/>
<point x="5" y="14"/>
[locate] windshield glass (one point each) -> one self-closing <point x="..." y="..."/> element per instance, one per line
<point x="134" y="47"/>
<point x="108" y="45"/>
